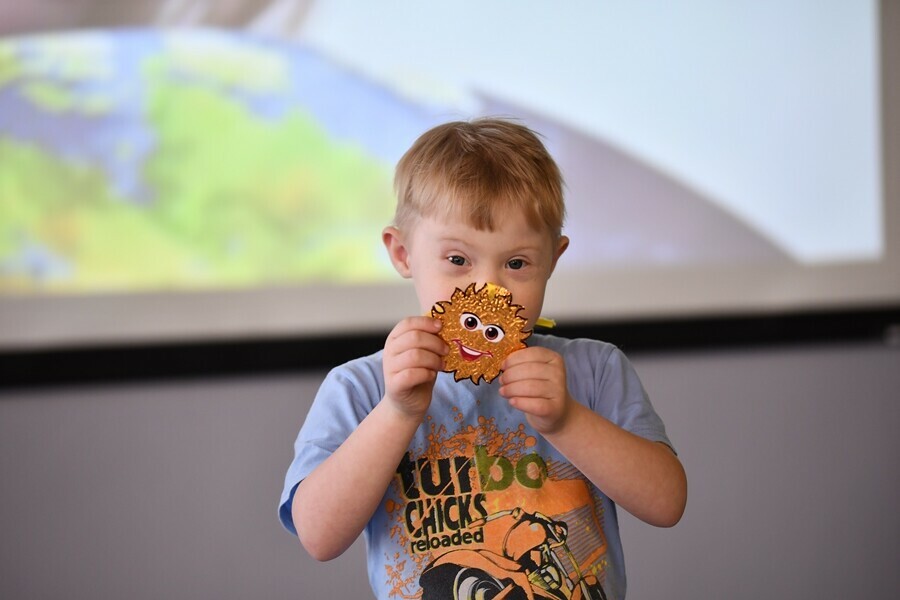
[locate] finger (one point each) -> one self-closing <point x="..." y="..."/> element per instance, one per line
<point x="414" y="358"/>
<point x="426" y="324"/>
<point x="425" y="341"/>
<point x="402" y="339"/>
<point x="537" y="407"/>
<point x="552" y="373"/>
<point x="410" y="378"/>
<point x="528" y="388"/>
<point x="532" y="354"/>
<point x="528" y="371"/>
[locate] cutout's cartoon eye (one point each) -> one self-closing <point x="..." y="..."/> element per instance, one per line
<point x="469" y="321"/>
<point x="492" y="333"/>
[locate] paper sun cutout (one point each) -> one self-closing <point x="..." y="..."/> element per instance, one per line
<point x="482" y="327"/>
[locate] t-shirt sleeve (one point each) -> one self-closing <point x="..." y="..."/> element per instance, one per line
<point x="614" y="390"/>
<point x="345" y="397"/>
<point x="635" y="411"/>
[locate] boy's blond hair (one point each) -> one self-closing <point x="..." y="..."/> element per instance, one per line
<point x="479" y="170"/>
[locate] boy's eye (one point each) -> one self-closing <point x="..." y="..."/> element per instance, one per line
<point x="459" y="261"/>
<point x="469" y="321"/>
<point x="493" y="333"/>
<point x="516" y="264"/>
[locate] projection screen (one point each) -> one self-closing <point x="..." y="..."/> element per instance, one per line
<point x="198" y="170"/>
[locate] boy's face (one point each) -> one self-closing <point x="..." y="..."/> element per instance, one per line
<point x="441" y="254"/>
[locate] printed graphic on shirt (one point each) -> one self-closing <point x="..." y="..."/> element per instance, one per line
<point x="480" y="513"/>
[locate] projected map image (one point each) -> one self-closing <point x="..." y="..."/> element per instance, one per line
<point x="140" y="160"/>
<point x="261" y="155"/>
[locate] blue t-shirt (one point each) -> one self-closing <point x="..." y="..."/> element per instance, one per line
<point x="481" y="501"/>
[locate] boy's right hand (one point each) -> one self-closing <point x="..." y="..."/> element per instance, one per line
<point x="413" y="355"/>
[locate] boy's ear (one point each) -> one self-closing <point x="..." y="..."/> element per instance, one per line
<point x="397" y="251"/>
<point x="561" y="246"/>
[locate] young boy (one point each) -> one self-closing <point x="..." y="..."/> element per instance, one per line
<point x="465" y="490"/>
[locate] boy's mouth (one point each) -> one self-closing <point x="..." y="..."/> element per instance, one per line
<point x="469" y="354"/>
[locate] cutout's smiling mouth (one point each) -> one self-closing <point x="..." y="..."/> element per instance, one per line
<point x="469" y="354"/>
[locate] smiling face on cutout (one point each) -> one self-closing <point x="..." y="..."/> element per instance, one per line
<point x="481" y="327"/>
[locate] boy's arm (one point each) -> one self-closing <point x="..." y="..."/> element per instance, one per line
<point x="332" y="505"/>
<point x="643" y="477"/>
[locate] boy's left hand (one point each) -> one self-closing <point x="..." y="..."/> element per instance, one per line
<point x="534" y="381"/>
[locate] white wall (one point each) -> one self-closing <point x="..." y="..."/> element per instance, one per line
<point x="170" y="489"/>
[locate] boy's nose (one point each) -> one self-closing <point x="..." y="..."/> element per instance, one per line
<point x="488" y="277"/>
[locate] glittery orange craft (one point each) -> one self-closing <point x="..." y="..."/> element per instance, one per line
<point x="482" y="327"/>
